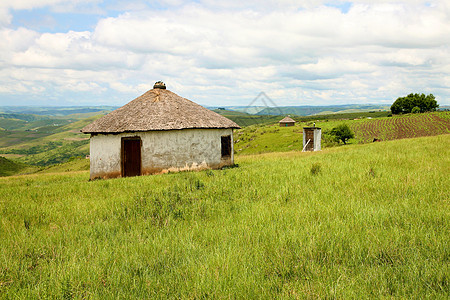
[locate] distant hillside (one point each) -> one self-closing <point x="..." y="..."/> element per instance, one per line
<point x="27" y="122"/>
<point x="56" y="110"/>
<point x="42" y="148"/>
<point x="313" y="110"/>
<point x="245" y="119"/>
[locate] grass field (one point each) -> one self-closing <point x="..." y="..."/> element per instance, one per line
<point x="361" y="221"/>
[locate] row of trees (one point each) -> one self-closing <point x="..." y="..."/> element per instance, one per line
<point x="414" y="103"/>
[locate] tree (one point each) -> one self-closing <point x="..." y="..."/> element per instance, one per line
<point x="342" y="133"/>
<point x="408" y="103"/>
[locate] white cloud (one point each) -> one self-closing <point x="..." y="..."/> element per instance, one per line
<point x="233" y="50"/>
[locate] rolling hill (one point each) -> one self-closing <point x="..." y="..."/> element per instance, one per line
<point x="48" y="143"/>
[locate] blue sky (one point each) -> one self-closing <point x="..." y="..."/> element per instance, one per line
<point x="312" y="52"/>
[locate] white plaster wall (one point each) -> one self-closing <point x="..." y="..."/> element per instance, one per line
<point x="105" y="155"/>
<point x="317" y="139"/>
<point x="182" y="149"/>
<point x="170" y="150"/>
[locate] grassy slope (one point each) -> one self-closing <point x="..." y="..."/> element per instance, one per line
<point x="9" y="167"/>
<point x="272" y="138"/>
<point x="373" y="222"/>
<point x="73" y="165"/>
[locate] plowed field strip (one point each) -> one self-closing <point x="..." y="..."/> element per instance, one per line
<point x="400" y="127"/>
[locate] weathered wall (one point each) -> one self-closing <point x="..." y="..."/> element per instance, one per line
<point x="317" y="139"/>
<point x="162" y="151"/>
<point x="105" y="156"/>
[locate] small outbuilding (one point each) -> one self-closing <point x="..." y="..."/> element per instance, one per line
<point x="311" y="138"/>
<point x="156" y="133"/>
<point x="286" y="122"/>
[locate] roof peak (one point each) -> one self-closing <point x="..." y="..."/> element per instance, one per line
<point x="158" y="109"/>
<point x="159" y="85"/>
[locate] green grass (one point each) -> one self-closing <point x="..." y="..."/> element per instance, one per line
<point x="361" y="221"/>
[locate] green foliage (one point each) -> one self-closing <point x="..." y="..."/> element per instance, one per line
<point x="371" y="224"/>
<point x="342" y="133"/>
<point x="408" y="103"/>
<point x="328" y="139"/>
<point x="415" y="110"/>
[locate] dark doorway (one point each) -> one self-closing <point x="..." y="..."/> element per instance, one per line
<point x="309" y="136"/>
<point x="226" y="146"/>
<point x="131" y="156"/>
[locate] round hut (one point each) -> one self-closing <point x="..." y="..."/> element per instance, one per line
<point x="286" y="122"/>
<point x="159" y="132"/>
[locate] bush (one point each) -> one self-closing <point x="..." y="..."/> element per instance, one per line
<point x="415" y="110"/>
<point x="342" y="133"/>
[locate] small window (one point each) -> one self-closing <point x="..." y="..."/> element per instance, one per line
<point x="226" y="145"/>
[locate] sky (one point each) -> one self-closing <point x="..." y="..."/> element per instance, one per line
<point x="223" y="53"/>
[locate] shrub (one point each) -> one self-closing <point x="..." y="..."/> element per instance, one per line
<point x="342" y="133"/>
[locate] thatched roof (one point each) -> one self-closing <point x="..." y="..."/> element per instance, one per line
<point x="287" y="120"/>
<point x="158" y="109"/>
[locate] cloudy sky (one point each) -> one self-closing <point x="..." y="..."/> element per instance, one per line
<point x="304" y="52"/>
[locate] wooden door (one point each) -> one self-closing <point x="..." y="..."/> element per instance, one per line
<point x="309" y="136"/>
<point x="131" y="157"/>
<point x="226" y="146"/>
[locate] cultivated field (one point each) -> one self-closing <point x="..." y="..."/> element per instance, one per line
<point x="358" y="222"/>
<point x="399" y="127"/>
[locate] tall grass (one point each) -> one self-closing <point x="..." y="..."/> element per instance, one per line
<point x="372" y="222"/>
